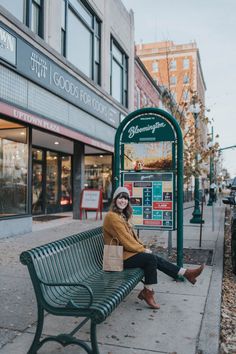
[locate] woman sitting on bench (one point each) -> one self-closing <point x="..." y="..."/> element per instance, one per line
<point x="116" y="225"/>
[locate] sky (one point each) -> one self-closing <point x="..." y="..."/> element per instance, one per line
<point x="212" y="24"/>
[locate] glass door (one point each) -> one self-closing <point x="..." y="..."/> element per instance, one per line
<point x="37" y="188"/>
<point x="51" y="182"/>
<point x="38" y="199"/>
<point x="52" y="199"/>
<point x="66" y="190"/>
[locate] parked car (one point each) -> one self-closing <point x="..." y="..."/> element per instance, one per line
<point x="231" y="200"/>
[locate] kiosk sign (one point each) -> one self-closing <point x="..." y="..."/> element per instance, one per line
<point x="152" y="199"/>
<point x="149" y="162"/>
<point x="148" y="128"/>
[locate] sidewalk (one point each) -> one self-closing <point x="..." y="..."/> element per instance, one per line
<point x="187" y="323"/>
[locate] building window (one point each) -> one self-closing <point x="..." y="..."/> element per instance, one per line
<point x="144" y="100"/>
<point x="155" y="79"/>
<point x="63" y="28"/>
<point x="30" y="12"/>
<point x="155" y="66"/>
<point x="173" y="65"/>
<point x="186" y="63"/>
<point x="173" y="80"/>
<point x="138" y="98"/>
<point x="36" y="16"/>
<point x="119" y="74"/>
<point x="174" y="96"/>
<point x="186" y="79"/>
<point x="16" y="8"/>
<point x="83" y="38"/>
<point x="13" y="169"/>
<point x="186" y="95"/>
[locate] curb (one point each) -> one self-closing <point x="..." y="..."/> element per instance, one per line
<point x="209" y="335"/>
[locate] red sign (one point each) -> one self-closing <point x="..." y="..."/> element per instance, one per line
<point x="152" y="222"/>
<point x="129" y="186"/>
<point x="162" y="205"/>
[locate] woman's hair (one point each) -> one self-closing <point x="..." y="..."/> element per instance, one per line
<point x="127" y="211"/>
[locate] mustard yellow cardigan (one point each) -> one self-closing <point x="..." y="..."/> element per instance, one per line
<point x="115" y="226"/>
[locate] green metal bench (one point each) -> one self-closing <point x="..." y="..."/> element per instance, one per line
<point x="68" y="280"/>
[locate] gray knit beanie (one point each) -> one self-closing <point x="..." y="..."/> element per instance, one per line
<point x="120" y="190"/>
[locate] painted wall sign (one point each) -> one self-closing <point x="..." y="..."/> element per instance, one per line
<point x="148" y="128"/>
<point x="7" y="46"/>
<point x="36" y="66"/>
<point x="152" y="199"/>
<point x="37" y="121"/>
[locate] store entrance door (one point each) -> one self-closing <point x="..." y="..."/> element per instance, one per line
<point x="51" y="182"/>
<point x="37" y="188"/>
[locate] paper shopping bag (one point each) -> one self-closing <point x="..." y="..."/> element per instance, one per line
<point x="113" y="258"/>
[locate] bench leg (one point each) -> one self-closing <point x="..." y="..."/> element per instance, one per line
<point x="93" y="336"/>
<point x="36" y="342"/>
<point x="67" y="339"/>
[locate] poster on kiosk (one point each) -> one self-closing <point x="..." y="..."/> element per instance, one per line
<point x="147" y="146"/>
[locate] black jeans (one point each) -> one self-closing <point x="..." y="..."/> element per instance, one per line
<point x="150" y="262"/>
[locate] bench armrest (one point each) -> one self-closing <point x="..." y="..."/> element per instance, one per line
<point x="71" y="302"/>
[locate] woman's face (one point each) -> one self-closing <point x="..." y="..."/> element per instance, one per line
<point x="122" y="201"/>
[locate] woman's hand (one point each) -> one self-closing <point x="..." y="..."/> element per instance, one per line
<point x="147" y="250"/>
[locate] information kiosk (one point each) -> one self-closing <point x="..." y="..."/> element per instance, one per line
<point x="149" y="162"/>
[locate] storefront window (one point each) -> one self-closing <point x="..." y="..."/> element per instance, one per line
<point x="37" y="154"/>
<point x="13" y="169"/>
<point x="98" y="174"/>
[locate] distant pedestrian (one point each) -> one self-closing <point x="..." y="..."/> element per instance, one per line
<point x="136" y="254"/>
<point x="213" y="192"/>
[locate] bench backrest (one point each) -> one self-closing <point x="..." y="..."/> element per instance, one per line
<point x="72" y="258"/>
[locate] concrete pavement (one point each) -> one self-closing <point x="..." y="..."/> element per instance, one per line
<point x="188" y="321"/>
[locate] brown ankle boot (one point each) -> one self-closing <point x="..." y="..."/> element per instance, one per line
<point x="147" y="295"/>
<point x="192" y="274"/>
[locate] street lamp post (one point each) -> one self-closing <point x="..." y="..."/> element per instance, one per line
<point x="210" y="200"/>
<point x="197" y="216"/>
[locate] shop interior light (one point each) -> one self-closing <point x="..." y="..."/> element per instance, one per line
<point x="56" y="142"/>
<point x="100" y="155"/>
